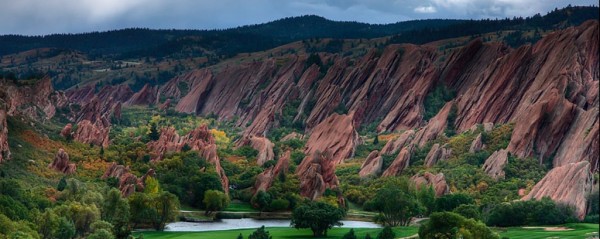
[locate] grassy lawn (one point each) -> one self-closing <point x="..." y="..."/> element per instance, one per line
<point x="582" y="230"/>
<point x="276" y="232"/>
<point x="237" y="206"/>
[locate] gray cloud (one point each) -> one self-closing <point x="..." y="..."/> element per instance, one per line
<point x="35" y="17"/>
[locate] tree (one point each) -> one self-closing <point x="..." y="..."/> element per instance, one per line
<point x="386" y="233"/>
<point x="318" y="216"/>
<point x="215" y="201"/>
<point x="61" y="184"/>
<point x="262" y="200"/>
<point x="167" y="208"/>
<point x="65" y="229"/>
<point x="426" y="196"/>
<point x="260" y="233"/>
<point x="47" y="224"/>
<point x="153" y="134"/>
<point x="397" y="202"/>
<point x="240" y="236"/>
<point x="116" y="211"/>
<point x="468" y="211"/>
<point x="449" y="202"/>
<point x="349" y="235"/>
<point x="368" y="236"/>
<point x="452" y="225"/>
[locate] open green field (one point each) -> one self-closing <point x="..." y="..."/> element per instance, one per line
<point x="276" y="232"/>
<point x="237" y="206"/>
<point x="581" y="230"/>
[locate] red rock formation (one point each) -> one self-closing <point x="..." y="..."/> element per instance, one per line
<point x="581" y="142"/>
<point x="393" y="146"/>
<point x="264" y="147"/>
<point x="372" y="165"/>
<point x="148" y="95"/>
<point x="265" y="180"/>
<point x="336" y="135"/>
<point x="568" y="184"/>
<point x="165" y="105"/>
<point x="494" y="165"/>
<point x="437" y="153"/>
<point x="128" y="182"/>
<point x="4" y="149"/>
<point x="434" y="127"/>
<point x="192" y="102"/>
<point x="93" y="132"/>
<point x="61" y="163"/>
<point x="317" y="175"/>
<point x="436" y="181"/>
<point x="66" y="131"/>
<point x="199" y="139"/>
<point x="292" y="135"/>
<point x="36" y="102"/>
<point x="477" y="144"/>
<point x="400" y="163"/>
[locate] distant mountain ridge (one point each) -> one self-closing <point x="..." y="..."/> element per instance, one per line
<point x="139" y="42"/>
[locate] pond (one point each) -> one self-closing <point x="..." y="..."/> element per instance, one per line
<point x="247" y="223"/>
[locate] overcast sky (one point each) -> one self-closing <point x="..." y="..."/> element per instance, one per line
<point x="38" y="17"/>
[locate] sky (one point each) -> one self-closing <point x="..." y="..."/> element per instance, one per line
<point x="41" y="17"/>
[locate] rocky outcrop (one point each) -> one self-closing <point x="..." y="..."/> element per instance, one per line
<point x="568" y="184"/>
<point x="38" y="101"/>
<point x="62" y="164"/>
<point x="434" y="127"/>
<point x="148" y="95"/>
<point x="581" y="142"/>
<point x="200" y="83"/>
<point x="128" y="182"/>
<point x="437" y="153"/>
<point x="317" y="173"/>
<point x="476" y="145"/>
<point x="436" y="181"/>
<point x="264" y="147"/>
<point x="96" y="133"/>
<point x="330" y="143"/>
<point x="4" y="149"/>
<point x="292" y="135"/>
<point x="494" y="165"/>
<point x="372" y="165"/>
<point x="200" y="139"/>
<point x="400" y="163"/>
<point x="265" y="180"/>
<point x="393" y="146"/>
<point x="165" y="105"/>
<point x="335" y="135"/>
<point x="66" y="131"/>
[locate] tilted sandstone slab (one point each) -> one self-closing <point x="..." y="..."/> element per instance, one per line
<point x="437" y="153"/>
<point x="568" y="184"/>
<point x="336" y="135"/>
<point x="128" y="182"/>
<point x="317" y="173"/>
<point x="148" y="95"/>
<point x="494" y="165"/>
<point x="400" y="163"/>
<point x="264" y="147"/>
<point x="265" y="180"/>
<point x="393" y="146"/>
<point x="436" y="181"/>
<point x="372" y="166"/>
<point x="434" y="127"/>
<point x="477" y="144"/>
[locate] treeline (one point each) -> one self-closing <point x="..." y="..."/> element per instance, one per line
<point x="139" y="42"/>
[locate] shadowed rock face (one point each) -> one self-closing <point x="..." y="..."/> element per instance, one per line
<point x="4" y="149"/>
<point x="372" y="165"/>
<point x="61" y="163"/>
<point x="494" y="165"/>
<point x="436" y="181"/>
<point x="567" y="184"/>
<point x="265" y="180"/>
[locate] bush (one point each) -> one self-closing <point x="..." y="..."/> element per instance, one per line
<point x="349" y="235"/>
<point x="452" y="225"/>
<point x="468" y="211"/>
<point x="449" y="202"/>
<point x="386" y="233"/>
<point x="533" y="212"/>
<point x="279" y="204"/>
